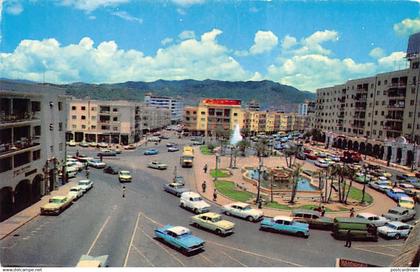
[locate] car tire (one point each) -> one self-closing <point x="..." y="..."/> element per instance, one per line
<point x="195" y="211"/>
<point x="219" y="232"/>
<point x="397" y="236"/>
<point x="196" y="225"/>
<point x="250" y="218"/>
<point x="300" y="234"/>
<point x="182" y="205"/>
<point x="227" y="212"/>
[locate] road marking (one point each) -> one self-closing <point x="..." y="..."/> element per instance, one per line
<point x="162" y="247"/>
<point x="99" y="234"/>
<point x="132" y="239"/>
<point x="233" y="259"/>
<point x="253" y="253"/>
<point x="376" y="252"/>
<point x="205" y="258"/>
<point x="141" y="254"/>
<point x="151" y="220"/>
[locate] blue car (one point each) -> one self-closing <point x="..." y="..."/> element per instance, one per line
<point x="396" y="194"/>
<point x="151" y="151"/>
<point x="285" y="224"/>
<point x="180" y="237"/>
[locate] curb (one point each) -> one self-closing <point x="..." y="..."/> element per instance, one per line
<point x="18" y="227"/>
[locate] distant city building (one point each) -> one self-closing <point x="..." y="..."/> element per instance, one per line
<point x="122" y="122"/>
<point x="253" y="105"/>
<point x="32" y="144"/>
<point x="378" y="115"/>
<point x="175" y="105"/>
<point x="303" y="109"/>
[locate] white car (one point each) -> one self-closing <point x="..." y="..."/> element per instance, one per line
<point x="157" y="165"/>
<point x="96" y="163"/>
<point x="375" y="219"/>
<point x="243" y="210"/>
<point x="84" y="144"/>
<point x="395" y="230"/>
<point x="103" y="145"/>
<point x="321" y="163"/>
<point x="194" y="202"/>
<point x="173" y="149"/>
<point x="75" y="163"/>
<point x="75" y="192"/>
<point x="72" y="143"/>
<point x="334" y="158"/>
<point x="85" y="185"/>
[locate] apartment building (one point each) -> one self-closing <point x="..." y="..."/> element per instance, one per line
<point x="174" y="105"/>
<point x="378" y="115"/>
<point x="213" y="114"/>
<point x="32" y="143"/>
<point x="121" y="122"/>
<point x="303" y="109"/>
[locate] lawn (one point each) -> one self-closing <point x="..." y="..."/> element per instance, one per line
<point x="205" y="150"/>
<point x="228" y="189"/>
<point x="356" y="194"/>
<point x="220" y="173"/>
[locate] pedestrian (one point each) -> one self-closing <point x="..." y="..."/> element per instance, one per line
<point x="77" y="153"/>
<point x="322" y="211"/>
<point x="86" y="166"/>
<point x="123" y="192"/>
<point x="348" y="239"/>
<point x="214" y="195"/>
<point x="352" y="212"/>
<point x="204" y="186"/>
<point x="87" y="173"/>
<point x="205" y="168"/>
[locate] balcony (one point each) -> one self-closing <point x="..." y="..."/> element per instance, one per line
<point x="19" y="145"/>
<point x="396" y="94"/>
<point x="361" y="98"/>
<point x="18" y="117"/>
<point x="398" y="85"/>
<point x="396" y="107"/>
<point x="393" y="128"/>
<point x="394" y="118"/>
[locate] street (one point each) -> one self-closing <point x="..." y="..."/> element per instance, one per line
<point x="104" y="223"/>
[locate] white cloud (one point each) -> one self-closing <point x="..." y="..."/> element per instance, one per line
<point x="166" y="41"/>
<point x="126" y="16"/>
<point x="194" y="58"/>
<point x="181" y="11"/>
<point x="12" y="7"/>
<point x="312" y="44"/>
<point x="288" y="42"/>
<point x="264" y="41"/>
<point x="186" y="35"/>
<point x="377" y="53"/>
<point x="187" y="2"/>
<point x="90" y="5"/>
<point x="392" y="61"/>
<point x="407" y="27"/>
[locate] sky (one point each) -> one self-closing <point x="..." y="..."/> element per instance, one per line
<point x="305" y="44"/>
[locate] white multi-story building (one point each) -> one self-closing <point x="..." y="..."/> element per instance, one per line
<point x="303" y="109"/>
<point x="175" y="105"/>
<point x="32" y="143"/>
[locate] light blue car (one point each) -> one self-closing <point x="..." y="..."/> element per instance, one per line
<point x="180" y="237"/>
<point x="285" y="224"/>
<point x="151" y="151"/>
<point x="396" y="194"/>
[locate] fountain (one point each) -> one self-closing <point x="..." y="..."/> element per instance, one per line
<point x="236" y="136"/>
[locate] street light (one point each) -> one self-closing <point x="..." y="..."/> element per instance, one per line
<point x="259" y="181"/>
<point x="365" y="167"/>
<point x="217" y="166"/>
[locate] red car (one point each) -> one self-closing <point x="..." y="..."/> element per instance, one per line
<point x="307" y="151"/>
<point x="417" y="174"/>
<point x="311" y="156"/>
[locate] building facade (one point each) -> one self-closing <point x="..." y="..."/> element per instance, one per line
<point x="175" y="105"/>
<point x="378" y="115"/>
<point x="118" y="122"/>
<point x="32" y="144"/>
<point x="303" y="109"/>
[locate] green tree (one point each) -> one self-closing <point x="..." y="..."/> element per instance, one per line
<point x="297" y="171"/>
<point x="290" y="154"/>
<point x="243" y="145"/>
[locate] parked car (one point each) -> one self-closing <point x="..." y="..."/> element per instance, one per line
<point x="71" y="171"/>
<point x="96" y="163"/>
<point x="406" y="202"/>
<point x="102" y="145"/>
<point x="396" y="194"/>
<point x="124" y="176"/>
<point x="173" y="149"/>
<point x="87" y="261"/>
<point x="321" y="163"/>
<point x="395" y="230"/>
<point x="322" y="155"/>
<point x="384" y="188"/>
<point x="214" y="222"/>
<point x="83" y="158"/>
<point x="376" y="184"/>
<point x="56" y="205"/>
<point x="180" y="237"/>
<point x="179" y="179"/>
<point x="157" y="165"/>
<point x="375" y="219"/>
<point x="334" y="158"/>
<point x="301" y="156"/>
<point x="151" y="151"/>
<point x="313" y="218"/>
<point x="175" y="188"/>
<point x="400" y="214"/>
<point x="85" y="185"/>
<point x="130" y="147"/>
<point x="194" y="202"/>
<point x="360" y="228"/>
<point x="405" y="186"/>
<point x="106" y="152"/>
<point x="75" y="192"/>
<point x="72" y="143"/>
<point x="164" y="137"/>
<point x="243" y="210"/>
<point x="359" y="177"/>
<point x="111" y="170"/>
<point x="285" y="224"/>
<point x="93" y="144"/>
<point x="75" y="163"/>
<point x="84" y="144"/>
<point x="170" y="144"/>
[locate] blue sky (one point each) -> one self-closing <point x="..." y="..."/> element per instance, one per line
<point x="306" y="44"/>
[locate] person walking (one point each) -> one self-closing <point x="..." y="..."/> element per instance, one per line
<point x="123" y="192"/>
<point x="214" y="195"/>
<point x="205" y="168"/>
<point x="204" y="186"/>
<point x="77" y="153"/>
<point x="352" y="212"/>
<point x="322" y="211"/>
<point x="87" y="173"/>
<point x="348" y="239"/>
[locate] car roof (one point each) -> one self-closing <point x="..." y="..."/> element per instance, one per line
<point x="240" y="204"/>
<point x="282" y="217"/>
<point x="190" y="194"/>
<point x="210" y="214"/>
<point x="305" y="211"/>
<point x="406" y="198"/>
<point x="58" y="197"/>
<point x="179" y="230"/>
<point x="399" y="209"/>
<point x="397" y="223"/>
<point x="367" y="214"/>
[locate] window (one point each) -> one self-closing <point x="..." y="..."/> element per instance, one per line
<point x="376" y="113"/>
<point x="83" y="108"/>
<point x="60" y="126"/>
<point x="36" y="155"/>
<point x="93" y="127"/>
<point x="93" y="117"/>
<point x="411" y="102"/>
<point x="203" y="113"/>
<point x="51" y="148"/>
<point x="377" y="103"/>
<point x="408" y="125"/>
<point x="410" y="114"/>
<point x="386" y="82"/>
<point x="60" y="106"/>
<point x="37" y="131"/>
<point x="115" y="128"/>
<point x="115" y="119"/>
<point x="73" y="107"/>
<point x="383" y="103"/>
<point x="60" y="146"/>
<point x="83" y="126"/>
<point x="5" y="164"/>
<point x="83" y="117"/>
<point x="115" y="110"/>
<point x="379" y="83"/>
<point x="74" y="117"/>
<point x="93" y="108"/>
<point x="380" y="133"/>
<point x="74" y="126"/>
<point x="382" y="112"/>
<point x="235" y="114"/>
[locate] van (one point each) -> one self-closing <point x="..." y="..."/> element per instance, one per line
<point x="361" y="229"/>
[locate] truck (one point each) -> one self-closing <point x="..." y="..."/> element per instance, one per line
<point x="187" y="156"/>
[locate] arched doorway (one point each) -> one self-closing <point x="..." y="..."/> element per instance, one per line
<point x="399" y="155"/>
<point x="356" y="146"/>
<point x="22" y="195"/>
<point x="410" y="157"/>
<point x="369" y="149"/>
<point x="6" y="203"/>
<point x="36" y="188"/>
<point x="362" y="148"/>
<point x="350" y="144"/>
<point x="376" y="151"/>
<point x="344" y="145"/>
<point x="339" y="143"/>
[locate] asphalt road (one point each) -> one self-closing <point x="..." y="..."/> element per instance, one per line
<point x="102" y="222"/>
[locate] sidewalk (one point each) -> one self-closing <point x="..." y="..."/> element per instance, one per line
<point x="18" y="220"/>
<point x="380" y="205"/>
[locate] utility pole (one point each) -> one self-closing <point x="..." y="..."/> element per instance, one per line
<point x="259" y="180"/>
<point x="364" y="184"/>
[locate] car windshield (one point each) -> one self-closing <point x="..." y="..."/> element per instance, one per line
<point x="406" y="201"/>
<point x="389" y="225"/>
<point x="125" y="173"/>
<point x="83" y="182"/>
<point x="216" y="219"/>
<point x="196" y="198"/>
<point x="393" y="212"/>
<point x="246" y="208"/>
<point x="74" y="190"/>
<point x="55" y="200"/>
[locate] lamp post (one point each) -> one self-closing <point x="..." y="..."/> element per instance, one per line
<point x="217" y="166"/>
<point x="259" y="181"/>
<point x="364" y="184"/>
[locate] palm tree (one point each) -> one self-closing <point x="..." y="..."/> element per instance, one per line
<point x="243" y="145"/>
<point x="295" y="179"/>
<point x="350" y="173"/>
<point x="290" y="154"/>
<point x="261" y="148"/>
